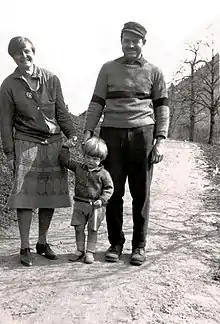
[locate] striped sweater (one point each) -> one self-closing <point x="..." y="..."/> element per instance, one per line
<point x="128" y="95"/>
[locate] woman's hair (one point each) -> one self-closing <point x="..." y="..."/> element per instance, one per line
<point x="17" y="43"/>
<point x="95" y="147"/>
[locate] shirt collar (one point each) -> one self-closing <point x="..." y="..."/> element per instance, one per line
<point x="141" y="61"/>
<point x="37" y="73"/>
<point x="96" y="169"/>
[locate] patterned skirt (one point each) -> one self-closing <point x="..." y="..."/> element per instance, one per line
<point x="39" y="180"/>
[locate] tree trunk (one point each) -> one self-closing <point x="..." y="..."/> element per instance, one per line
<point x="212" y="129"/>
<point x="212" y="105"/>
<point x="192" y="127"/>
<point x="192" y="106"/>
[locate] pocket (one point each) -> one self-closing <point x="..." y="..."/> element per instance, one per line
<point x="142" y="137"/>
<point x="111" y="136"/>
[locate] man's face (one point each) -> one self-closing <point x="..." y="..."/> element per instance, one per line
<point x="25" y="57"/>
<point x="132" y="45"/>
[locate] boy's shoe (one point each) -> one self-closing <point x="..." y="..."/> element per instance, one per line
<point x="138" y="256"/>
<point x="76" y="256"/>
<point x="26" y="257"/>
<point x="89" y="258"/>
<point x="113" y="253"/>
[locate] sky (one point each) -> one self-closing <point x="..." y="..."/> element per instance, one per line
<point x="74" y="38"/>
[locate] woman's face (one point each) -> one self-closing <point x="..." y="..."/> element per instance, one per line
<point x="25" y="57"/>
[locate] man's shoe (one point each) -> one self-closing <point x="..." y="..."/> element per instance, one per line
<point x="45" y="250"/>
<point x="138" y="256"/>
<point x="113" y="253"/>
<point x="26" y="257"/>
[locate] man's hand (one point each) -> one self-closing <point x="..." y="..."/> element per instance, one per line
<point x="157" y="151"/>
<point x="87" y="135"/>
<point x="97" y="203"/>
<point x="11" y="164"/>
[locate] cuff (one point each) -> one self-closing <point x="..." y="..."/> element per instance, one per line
<point x="104" y="203"/>
<point x="162" y="136"/>
<point x="10" y="156"/>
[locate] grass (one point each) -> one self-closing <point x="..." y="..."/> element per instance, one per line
<point x="211" y="155"/>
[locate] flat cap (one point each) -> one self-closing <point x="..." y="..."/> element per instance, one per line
<point x="135" y="28"/>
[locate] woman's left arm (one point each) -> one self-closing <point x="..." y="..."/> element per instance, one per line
<point x="62" y="115"/>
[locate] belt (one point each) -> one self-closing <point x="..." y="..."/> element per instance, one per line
<point x="83" y="200"/>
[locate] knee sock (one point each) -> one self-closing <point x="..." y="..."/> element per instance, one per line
<point x="80" y="237"/>
<point x="24" y="223"/>
<point x="44" y="215"/>
<point x="92" y="240"/>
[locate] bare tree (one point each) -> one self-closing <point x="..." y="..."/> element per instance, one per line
<point x="178" y="116"/>
<point x="194" y="95"/>
<point x="210" y="95"/>
<point x="184" y="94"/>
<point x="195" y="63"/>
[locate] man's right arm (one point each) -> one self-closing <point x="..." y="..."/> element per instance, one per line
<point x="97" y="103"/>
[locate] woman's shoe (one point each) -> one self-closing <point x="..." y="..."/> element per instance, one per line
<point x="45" y="250"/>
<point x="26" y="257"/>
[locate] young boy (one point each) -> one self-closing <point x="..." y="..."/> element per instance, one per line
<point x="93" y="189"/>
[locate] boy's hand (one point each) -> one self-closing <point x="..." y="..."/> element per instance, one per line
<point x="71" y="142"/>
<point x="97" y="203"/>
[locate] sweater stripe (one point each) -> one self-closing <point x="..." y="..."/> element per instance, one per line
<point x="98" y="100"/>
<point x="160" y="102"/>
<point x="127" y="94"/>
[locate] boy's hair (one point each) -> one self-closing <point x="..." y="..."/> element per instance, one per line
<point x="95" y="147"/>
<point x="18" y="43"/>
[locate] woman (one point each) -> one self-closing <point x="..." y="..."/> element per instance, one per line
<point x="33" y="115"/>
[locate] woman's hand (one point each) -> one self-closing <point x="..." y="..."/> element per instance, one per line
<point x="71" y="142"/>
<point x="157" y="151"/>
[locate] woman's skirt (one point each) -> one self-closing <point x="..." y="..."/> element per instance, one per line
<point x="39" y="180"/>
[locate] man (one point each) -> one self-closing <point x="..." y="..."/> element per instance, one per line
<point x="131" y="95"/>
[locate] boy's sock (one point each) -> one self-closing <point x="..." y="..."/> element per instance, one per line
<point x="80" y="237"/>
<point x="92" y="240"/>
<point x="80" y="243"/>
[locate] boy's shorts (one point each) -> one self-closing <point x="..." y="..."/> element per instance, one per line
<point x="84" y="213"/>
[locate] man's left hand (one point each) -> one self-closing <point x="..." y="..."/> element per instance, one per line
<point x="157" y="151"/>
<point x="97" y="203"/>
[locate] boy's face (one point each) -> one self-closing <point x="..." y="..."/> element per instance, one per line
<point x="91" y="162"/>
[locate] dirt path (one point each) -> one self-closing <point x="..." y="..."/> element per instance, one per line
<point x="173" y="286"/>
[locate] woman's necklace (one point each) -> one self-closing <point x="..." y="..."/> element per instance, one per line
<point x="32" y="82"/>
